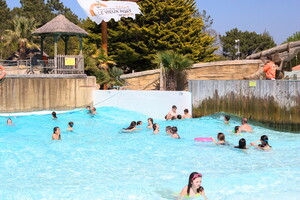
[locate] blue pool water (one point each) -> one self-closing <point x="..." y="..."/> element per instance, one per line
<point x="97" y="162"/>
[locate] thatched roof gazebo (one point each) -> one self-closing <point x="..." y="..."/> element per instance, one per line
<point x="60" y="27"/>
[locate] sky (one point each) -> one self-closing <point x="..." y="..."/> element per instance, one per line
<point x="280" y="18"/>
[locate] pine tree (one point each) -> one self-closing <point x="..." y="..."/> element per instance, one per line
<point x="36" y="9"/>
<point x="250" y="42"/>
<point x="4" y="16"/>
<point x="164" y="25"/>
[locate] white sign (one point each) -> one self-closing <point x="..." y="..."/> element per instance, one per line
<point x="106" y="10"/>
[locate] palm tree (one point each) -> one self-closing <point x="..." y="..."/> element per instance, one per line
<point x="22" y="28"/>
<point x="173" y="66"/>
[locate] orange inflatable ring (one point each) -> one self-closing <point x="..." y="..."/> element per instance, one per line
<point x="3" y="72"/>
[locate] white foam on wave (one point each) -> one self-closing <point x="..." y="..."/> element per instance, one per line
<point x="44" y="112"/>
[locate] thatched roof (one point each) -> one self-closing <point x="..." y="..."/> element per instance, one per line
<point x="60" y="25"/>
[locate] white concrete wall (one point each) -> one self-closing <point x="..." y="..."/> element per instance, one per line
<point x="155" y="104"/>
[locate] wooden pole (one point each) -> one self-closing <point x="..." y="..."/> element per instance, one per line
<point x="105" y="35"/>
<point x="80" y="45"/>
<point x="55" y="52"/>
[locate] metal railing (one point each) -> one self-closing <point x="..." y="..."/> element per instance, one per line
<point x="62" y="64"/>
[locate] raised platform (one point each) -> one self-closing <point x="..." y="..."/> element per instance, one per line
<point x="25" y="93"/>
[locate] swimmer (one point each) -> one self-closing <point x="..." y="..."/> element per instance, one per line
<point x="194" y="188"/>
<point x="88" y="108"/>
<point x="221" y="139"/>
<point x="245" y="127"/>
<point x="93" y="111"/>
<point x="155" y="128"/>
<point x="179" y="117"/>
<point x="131" y="127"/>
<point x="9" y="122"/>
<point x="226" y="119"/>
<point x="169" y="130"/>
<point x="150" y="123"/>
<point x="70" y="126"/>
<point x="186" y="114"/>
<point x="236" y="130"/>
<point x="264" y="143"/>
<point x="54" y="115"/>
<point x="174" y="133"/>
<point x="172" y="113"/>
<point x="56" y="134"/>
<point x="139" y="123"/>
<point x="242" y="144"/>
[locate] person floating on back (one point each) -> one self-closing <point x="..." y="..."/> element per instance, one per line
<point x="70" y="126"/>
<point x="264" y="140"/>
<point x="56" y="134"/>
<point x="54" y="115"/>
<point x="226" y="119"/>
<point x="194" y="188"/>
<point x="186" y="114"/>
<point x="245" y="127"/>
<point x="172" y="114"/>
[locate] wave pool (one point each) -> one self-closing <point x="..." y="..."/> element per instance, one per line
<point x="96" y="161"/>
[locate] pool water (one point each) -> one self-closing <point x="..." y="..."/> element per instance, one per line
<point x="96" y="161"/>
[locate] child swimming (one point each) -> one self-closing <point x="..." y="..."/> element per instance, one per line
<point x="131" y="127"/>
<point x="169" y="130"/>
<point x="174" y="132"/>
<point x="155" y="128"/>
<point x="221" y="139"/>
<point x="150" y="123"/>
<point x="70" y="126"/>
<point x="226" y="119"/>
<point x="56" y="134"/>
<point x="264" y="143"/>
<point x="54" y="115"/>
<point x="186" y="114"/>
<point x="242" y="144"/>
<point x="236" y="130"/>
<point x="194" y="188"/>
<point x="9" y="122"/>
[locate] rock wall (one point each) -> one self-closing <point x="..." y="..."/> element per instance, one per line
<point x="53" y="92"/>
<point x="222" y="70"/>
<point x="276" y="104"/>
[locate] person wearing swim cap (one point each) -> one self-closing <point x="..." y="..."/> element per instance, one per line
<point x="264" y="140"/>
<point x="194" y="188"/>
